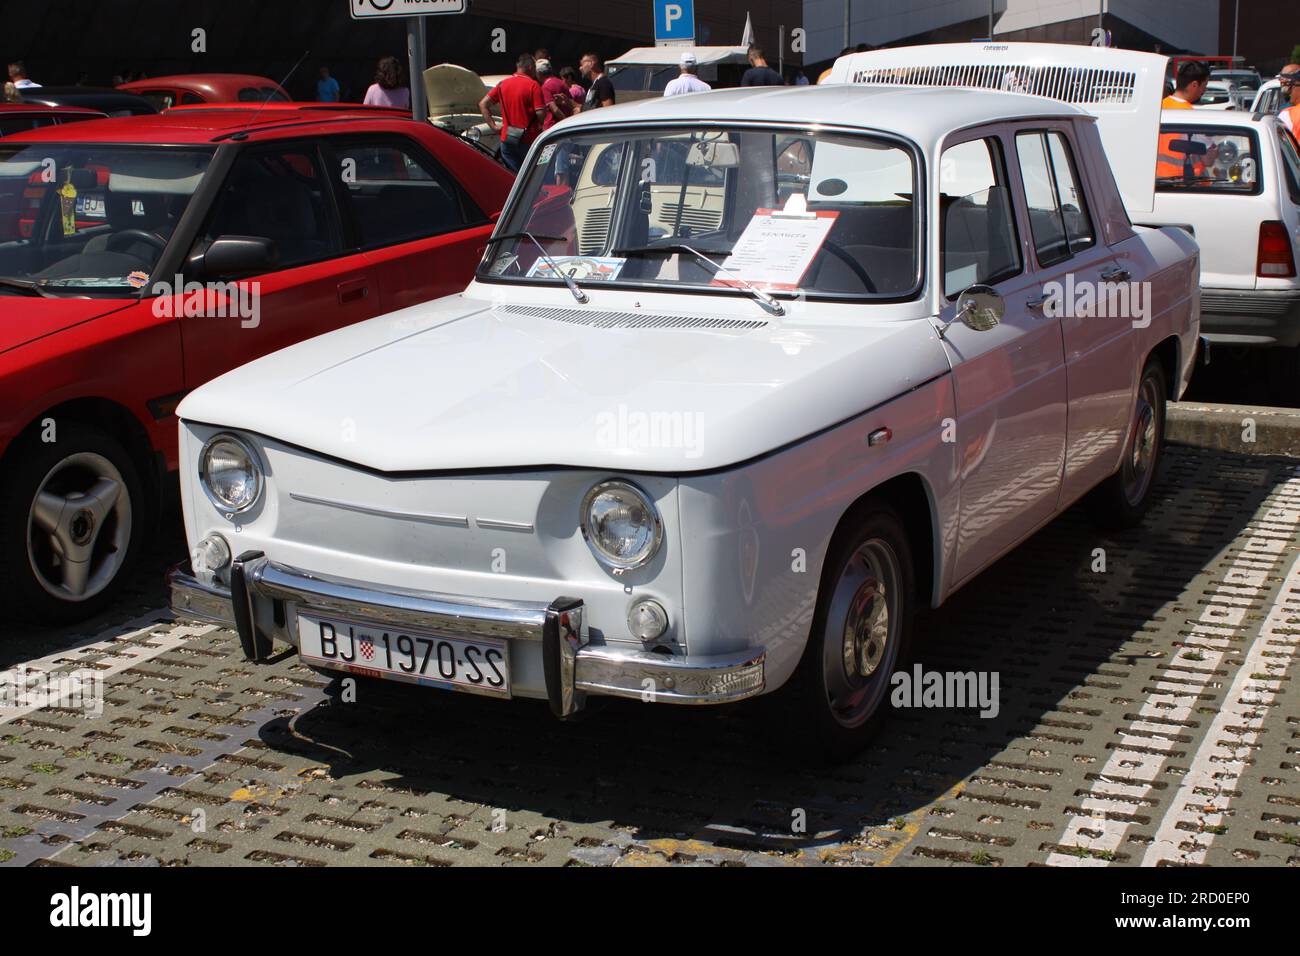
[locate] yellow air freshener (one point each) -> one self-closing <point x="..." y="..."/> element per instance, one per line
<point x="68" y="206"/>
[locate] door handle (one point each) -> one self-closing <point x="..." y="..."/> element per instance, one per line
<point x="1116" y="274"/>
<point x="1037" y="304"/>
<point x="353" y="291"/>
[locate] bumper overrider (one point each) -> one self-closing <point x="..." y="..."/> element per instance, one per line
<point x="573" y="666"/>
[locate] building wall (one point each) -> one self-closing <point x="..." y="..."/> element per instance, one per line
<point x="1185" y="25"/>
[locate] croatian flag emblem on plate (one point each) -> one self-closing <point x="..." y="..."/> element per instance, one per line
<point x="367" y="648"/>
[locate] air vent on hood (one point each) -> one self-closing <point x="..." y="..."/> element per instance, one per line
<point x="633" y="320"/>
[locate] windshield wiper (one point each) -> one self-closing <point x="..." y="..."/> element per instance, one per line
<point x="676" y="248"/>
<point x="546" y="256"/>
<point x="26" y="285"/>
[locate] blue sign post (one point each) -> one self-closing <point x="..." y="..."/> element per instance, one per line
<point x="674" y="21"/>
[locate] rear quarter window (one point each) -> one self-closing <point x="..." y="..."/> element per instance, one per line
<point x="1208" y="159"/>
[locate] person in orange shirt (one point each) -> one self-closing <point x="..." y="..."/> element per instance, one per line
<point x="1193" y="76"/>
<point x="1290" y="110"/>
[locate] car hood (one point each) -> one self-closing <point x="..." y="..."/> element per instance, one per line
<point x="461" y="384"/>
<point x="452" y="89"/>
<point x="24" y="319"/>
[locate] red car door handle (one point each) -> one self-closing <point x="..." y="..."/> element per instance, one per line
<point x="353" y="291"/>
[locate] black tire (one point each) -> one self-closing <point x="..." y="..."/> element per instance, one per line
<point x="1122" y="500"/>
<point x="30" y="567"/>
<point x="822" y="732"/>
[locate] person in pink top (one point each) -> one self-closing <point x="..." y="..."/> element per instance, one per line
<point x="555" y="94"/>
<point x="389" y="88"/>
<point x="577" y="92"/>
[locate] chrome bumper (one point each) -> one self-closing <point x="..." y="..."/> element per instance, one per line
<point x="572" y="665"/>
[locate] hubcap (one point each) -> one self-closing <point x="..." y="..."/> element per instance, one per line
<point x="79" y="527"/>
<point x="861" y="637"/>
<point x="1140" y="462"/>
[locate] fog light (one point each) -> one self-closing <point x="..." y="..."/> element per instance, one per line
<point x="647" y="620"/>
<point x="210" y="555"/>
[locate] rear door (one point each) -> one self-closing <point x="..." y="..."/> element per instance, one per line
<point x="279" y="191"/>
<point x="416" y="228"/>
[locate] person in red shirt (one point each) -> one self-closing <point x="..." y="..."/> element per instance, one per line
<point x="522" y="107"/>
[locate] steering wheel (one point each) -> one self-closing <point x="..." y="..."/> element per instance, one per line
<point x="137" y="235"/>
<point x="854" y="266"/>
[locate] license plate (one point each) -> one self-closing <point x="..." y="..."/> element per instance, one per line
<point x="415" y="657"/>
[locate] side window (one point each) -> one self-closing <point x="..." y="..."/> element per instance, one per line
<point x="281" y="194"/>
<point x="397" y="194"/>
<point x="1078" y="224"/>
<point x="191" y="99"/>
<point x="1058" y="213"/>
<point x="978" y="224"/>
<point x="1290" y="163"/>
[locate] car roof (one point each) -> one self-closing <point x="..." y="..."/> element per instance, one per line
<point x="1200" y="117"/>
<point x="208" y="82"/>
<point x="208" y="125"/>
<point x="924" y="114"/>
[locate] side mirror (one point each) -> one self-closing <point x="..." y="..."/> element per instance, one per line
<point x="235" y="257"/>
<point x="979" y="308"/>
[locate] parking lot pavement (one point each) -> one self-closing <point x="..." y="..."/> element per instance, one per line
<point x="1147" y="715"/>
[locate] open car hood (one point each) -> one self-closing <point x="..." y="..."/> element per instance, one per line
<point x="452" y="89"/>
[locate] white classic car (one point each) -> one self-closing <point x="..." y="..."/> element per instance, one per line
<point x="1232" y="180"/>
<point x="744" y="379"/>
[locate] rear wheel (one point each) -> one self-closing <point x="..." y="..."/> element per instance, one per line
<point x="860" y="636"/>
<point x="1122" y="500"/>
<point x="71" y="524"/>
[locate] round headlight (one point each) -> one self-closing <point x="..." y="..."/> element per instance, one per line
<point x="230" y="474"/>
<point x="621" y="525"/>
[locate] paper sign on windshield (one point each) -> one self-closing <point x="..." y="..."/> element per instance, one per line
<point x="776" y="249"/>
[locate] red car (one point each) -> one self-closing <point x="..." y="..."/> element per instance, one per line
<point x="161" y="251"/>
<point x="20" y="117"/>
<point x="192" y="89"/>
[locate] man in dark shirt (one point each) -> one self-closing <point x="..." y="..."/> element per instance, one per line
<point x="759" y="73"/>
<point x="600" y="89"/>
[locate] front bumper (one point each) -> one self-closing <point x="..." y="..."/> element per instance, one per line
<point x="573" y="666"/>
<point x="1259" y="318"/>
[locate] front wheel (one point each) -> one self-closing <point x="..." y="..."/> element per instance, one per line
<point x="860" y="635"/>
<point x="1122" y="500"/>
<point x="71" y="524"/>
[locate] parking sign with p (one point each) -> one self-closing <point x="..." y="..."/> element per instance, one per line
<point x="674" y="21"/>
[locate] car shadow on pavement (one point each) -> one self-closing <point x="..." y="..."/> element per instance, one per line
<point x="1072" y="646"/>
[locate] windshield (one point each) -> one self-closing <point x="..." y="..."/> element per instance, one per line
<point x="90" y="219"/>
<point x="787" y="211"/>
<point x="1207" y="159"/>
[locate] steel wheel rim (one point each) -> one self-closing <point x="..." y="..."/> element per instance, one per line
<point x="861" y="636"/>
<point x="1140" y="457"/>
<point x="79" y="527"/>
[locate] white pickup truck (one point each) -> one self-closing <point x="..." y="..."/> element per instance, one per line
<point x="1239" y="195"/>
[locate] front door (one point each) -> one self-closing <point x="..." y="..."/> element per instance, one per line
<point x="1009" y="381"/>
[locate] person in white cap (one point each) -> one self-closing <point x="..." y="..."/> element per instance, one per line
<point x="688" y="82"/>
